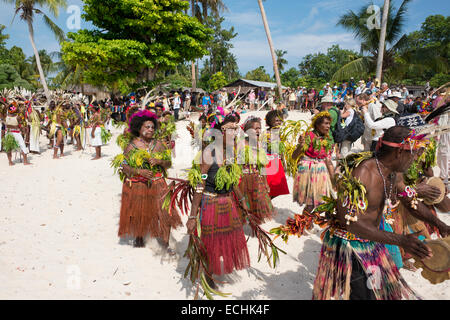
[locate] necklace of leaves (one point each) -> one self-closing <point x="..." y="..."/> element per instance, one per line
<point x="391" y="177"/>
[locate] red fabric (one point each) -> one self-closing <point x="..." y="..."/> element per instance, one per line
<point x="276" y="180"/>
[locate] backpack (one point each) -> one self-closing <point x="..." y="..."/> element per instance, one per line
<point x="339" y="133"/>
<point x="355" y="129"/>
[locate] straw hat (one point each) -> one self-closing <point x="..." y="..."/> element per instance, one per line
<point x="395" y="94"/>
<point x="391" y="105"/>
<point x="438" y="183"/>
<point x="327" y="98"/>
<point x="437" y="268"/>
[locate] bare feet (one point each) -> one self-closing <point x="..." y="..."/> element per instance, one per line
<point x="27" y="163"/>
<point x="11" y="163"/>
<point x="96" y="158"/>
<point x="55" y="157"/>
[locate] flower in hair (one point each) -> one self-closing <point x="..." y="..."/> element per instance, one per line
<point x="143" y="113"/>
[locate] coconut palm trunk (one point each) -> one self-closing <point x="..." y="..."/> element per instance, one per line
<point x="193" y="69"/>
<point x="38" y="60"/>
<point x="382" y="41"/>
<point x="272" y="50"/>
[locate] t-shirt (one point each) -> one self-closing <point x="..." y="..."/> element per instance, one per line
<point x="206" y="100"/>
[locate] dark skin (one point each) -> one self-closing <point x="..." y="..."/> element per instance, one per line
<point x="322" y="129"/>
<point x="367" y="224"/>
<point x="204" y="167"/>
<point x="59" y="137"/>
<point x="76" y="121"/>
<point x="9" y="154"/>
<point x="96" y="120"/>
<point x="144" y="140"/>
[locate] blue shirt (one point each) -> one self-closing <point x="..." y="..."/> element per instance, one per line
<point x="206" y="100"/>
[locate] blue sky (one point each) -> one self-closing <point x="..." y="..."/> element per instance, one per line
<point x="298" y="26"/>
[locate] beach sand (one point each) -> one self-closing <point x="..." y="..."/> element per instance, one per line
<point x="58" y="237"/>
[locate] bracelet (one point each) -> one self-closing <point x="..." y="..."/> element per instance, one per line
<point x="192" y="217"/>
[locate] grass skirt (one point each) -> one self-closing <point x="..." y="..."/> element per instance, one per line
<point x="335" y="269"/>
<point x="222" y="234"/>
<point x="141" y="212"/>
<point x="255" y="189"/>
<point x="311" y="183"/>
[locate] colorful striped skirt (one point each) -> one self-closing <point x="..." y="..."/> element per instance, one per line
<point x="142" y="212"/>
<point x="222" y="233"/>
<point x="312" y="182"/>
<point x="333" y="279"/>
<point x="255" y="189"/>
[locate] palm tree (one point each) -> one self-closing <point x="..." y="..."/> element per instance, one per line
<point x="370" y="39"/>
<point x="269" y="39"/>
<point x="281" y="61"/>
<point x="28" y="9"/>
<point x="216" y="7"/>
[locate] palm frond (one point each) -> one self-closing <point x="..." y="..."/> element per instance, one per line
<point x="356" y="68"/>
<point x="57" y="31"/>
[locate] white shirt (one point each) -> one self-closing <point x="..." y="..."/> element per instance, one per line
<point x="176" y="103"/>
<point x="379" y="126"/>
<point x="349" y="119"/>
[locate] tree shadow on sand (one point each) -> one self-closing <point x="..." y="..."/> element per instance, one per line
<point x="290" y="285"/>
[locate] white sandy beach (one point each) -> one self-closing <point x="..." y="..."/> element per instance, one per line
<point x="58" y="237"/>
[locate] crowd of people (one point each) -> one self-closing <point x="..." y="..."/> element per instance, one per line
<point x="372" y="204"/>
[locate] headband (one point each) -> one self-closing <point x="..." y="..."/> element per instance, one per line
<point x="142" y="113"/>
<point x="412" y="142"/>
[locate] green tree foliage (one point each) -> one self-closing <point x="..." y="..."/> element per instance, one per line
<point x="220" y="58"/>
<point x="321" y="66"/>
<point x="137" y="38"/>
<point x="281" y="61"/>
<point x="258" y="74"/>
<point x="10" y="78"/>
<point x="217" y="81"/>
<point x="357" y="22"/>
<point x="426" y="53"/>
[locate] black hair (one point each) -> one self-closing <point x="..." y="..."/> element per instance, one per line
<point x="271" y="115"/>
<point x="394" y="134"/>
<point x="250" y="123"/>
<point x="320" y="120"/>
<point x="137" y="122"/>
<point x="228" y="119"/>
<point x="202" y="117"/>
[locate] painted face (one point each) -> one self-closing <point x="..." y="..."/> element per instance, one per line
<point x="324" y="127"/>
<point x="257" y="127"/>
<point x="147" y="130"/>
<point x="159" y="112"/>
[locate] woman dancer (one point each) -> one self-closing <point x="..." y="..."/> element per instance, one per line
<point x="143" y="168"/>
<point x="276" y="177"/>
<point x="313" y="152"/>
<point x="216" y="207"/>
<point x="13" y="139"/>
<point x="254" y="185"/>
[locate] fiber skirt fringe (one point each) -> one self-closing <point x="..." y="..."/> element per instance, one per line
<point x="311" y="183"/>
<point x="141" y="212"/>
<point x="335" y="269"/>
<point x="222" y="234"/>
<point x="256" y="191"/>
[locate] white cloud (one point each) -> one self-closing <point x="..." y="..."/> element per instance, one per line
<point x="253" y="53"/>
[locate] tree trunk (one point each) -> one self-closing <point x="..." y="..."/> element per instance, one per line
<point x="193" y="72"/>
<point x="382" y="41"/>
<point x="274" y="57"/>
<point x="38" y="60"/>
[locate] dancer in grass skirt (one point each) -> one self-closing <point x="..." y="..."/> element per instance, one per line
<point x="314" y="149"/>
<point x="143" y="168"/>
<point x="253" y="160"/>
<point x="216" y="205"/>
